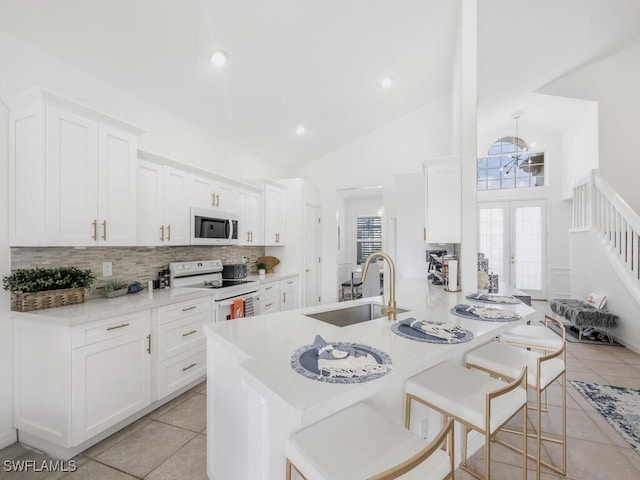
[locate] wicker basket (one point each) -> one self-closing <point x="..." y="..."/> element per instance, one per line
<point x="27" y="302"/>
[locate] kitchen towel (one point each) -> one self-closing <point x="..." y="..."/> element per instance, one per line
<point x="237" y="308"/>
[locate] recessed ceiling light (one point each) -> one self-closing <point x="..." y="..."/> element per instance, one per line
<point x="386" y="82"/>
<point x="219" y="58"/>
<point x="301" y="130"/>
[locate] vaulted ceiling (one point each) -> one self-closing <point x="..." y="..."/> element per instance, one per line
<point x="315" y="62"/>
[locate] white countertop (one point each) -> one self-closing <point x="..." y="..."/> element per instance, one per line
<point x="264" y="345"/>
<point x="270" y="277"/>
<point x="101" y="308"/>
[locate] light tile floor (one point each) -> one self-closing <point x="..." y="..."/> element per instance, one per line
<point x="170" y="442"/>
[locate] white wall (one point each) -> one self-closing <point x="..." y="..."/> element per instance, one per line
<point x="374" y="159"/>
<point x="410" y="212"/>
<point x="7" y="433"/>
<point x="580" y="146"/>
<point x="24" y="67"/>
<point x="613" y="83"/>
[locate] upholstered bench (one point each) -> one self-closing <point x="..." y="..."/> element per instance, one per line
<point x="588" y="313"/>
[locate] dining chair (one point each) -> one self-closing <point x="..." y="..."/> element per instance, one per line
<point x="353" y="286"/>
<point x="477" y="401"/>
<point x="503" y="361"/>
<point x="359" y="443"/>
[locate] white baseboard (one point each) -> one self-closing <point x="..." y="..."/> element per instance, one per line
<point x="8" y="437"/>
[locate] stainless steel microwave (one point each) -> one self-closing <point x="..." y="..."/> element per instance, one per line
<point x="213" y="227"/>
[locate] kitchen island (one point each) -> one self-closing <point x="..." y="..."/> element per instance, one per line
<point x="256" y="399"/>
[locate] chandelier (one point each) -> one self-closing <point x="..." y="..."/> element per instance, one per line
<point x="520" y="148"/>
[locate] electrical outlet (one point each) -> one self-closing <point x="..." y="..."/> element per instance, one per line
<point x="107" y="269"/>
<point x="424" y="428"/>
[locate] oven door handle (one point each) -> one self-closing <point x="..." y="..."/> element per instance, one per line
<point x="228" y="303"/>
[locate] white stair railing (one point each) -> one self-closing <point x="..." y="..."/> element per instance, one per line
<point x="599" y="208"/>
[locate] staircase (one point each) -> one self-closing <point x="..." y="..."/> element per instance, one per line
<point x="605" y="253"/>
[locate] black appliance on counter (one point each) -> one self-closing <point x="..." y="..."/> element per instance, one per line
<point x="234" y="270"/>
<point x="435" y="261"/>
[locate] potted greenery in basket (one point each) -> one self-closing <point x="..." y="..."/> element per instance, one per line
<point x="115" y="288"/>
<point x="37" y="288"/>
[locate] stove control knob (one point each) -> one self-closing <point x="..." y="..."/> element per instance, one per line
<point x="186" y="267"/>
<point x="178" y="267"/>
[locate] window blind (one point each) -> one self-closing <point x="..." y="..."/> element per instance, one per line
<point x="368" y="236"/>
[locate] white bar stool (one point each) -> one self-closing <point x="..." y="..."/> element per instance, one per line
<point x="537" y="337"/>
<point x="358" y="443"/>
<point x="503" y="361"/>
<point x="479" y="402"/>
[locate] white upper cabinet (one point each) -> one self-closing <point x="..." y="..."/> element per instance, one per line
<point x="249" y="205"/>
<point x="72" y="173"/>
<point x="275" y="215"/>
<point x="162" y="205"/>
<point x="210" y="193"/>
<point x="443" y="199"/>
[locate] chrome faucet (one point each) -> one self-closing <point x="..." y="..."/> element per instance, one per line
<point x="390" y="309"/>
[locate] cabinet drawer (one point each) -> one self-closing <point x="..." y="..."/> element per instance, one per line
<point x="181" y="335"/>
<point x="181" y="370"/>
<point x="268" y="305"/>
<point x="134" y="323"/>
<point x="289" y="284"/>
<point x="184" y="309"/>
<point x="269" y="289"/>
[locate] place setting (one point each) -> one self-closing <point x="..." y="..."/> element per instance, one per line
<point x="487" y="314"/>
<point x="340" y="362"/>
<point x="431" y="332"/>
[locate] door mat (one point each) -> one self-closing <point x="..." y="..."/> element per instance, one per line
<point x="618" y="405"/>
<point x="596" y="338"/>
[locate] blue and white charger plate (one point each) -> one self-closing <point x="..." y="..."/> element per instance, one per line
<point x="411" y="333"/>
<point x="305" y="361"/>
<point x="471" y="311"/>
<point x="493" y="298"/>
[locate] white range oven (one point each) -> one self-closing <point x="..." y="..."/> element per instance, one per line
<point x="231" y="298"/>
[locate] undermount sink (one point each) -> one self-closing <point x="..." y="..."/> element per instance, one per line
<point x="342" y="317"/>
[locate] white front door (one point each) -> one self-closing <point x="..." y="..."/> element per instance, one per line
<point x="313" y="255"/>
<point x="513" y="236"/>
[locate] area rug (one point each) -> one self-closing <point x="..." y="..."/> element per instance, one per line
<point x="620" y="406"/>
<point x="572" y="334"/>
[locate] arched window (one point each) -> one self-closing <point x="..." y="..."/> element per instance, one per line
<point x="510" y="164"/>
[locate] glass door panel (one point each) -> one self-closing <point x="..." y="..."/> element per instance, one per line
<point x="513" y="236"/>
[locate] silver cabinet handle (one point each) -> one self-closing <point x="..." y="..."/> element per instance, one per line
<point x="190" y="366"/>
<point x="104" y="229"/>
<point x="189" y="308"/>
<point x="95" y="229"/>
<point x="149" y="344"/>
<point x="162" y="233"/>
<point x="189" y="333"/>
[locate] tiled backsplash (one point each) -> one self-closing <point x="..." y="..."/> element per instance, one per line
<point x="128" y="263"/>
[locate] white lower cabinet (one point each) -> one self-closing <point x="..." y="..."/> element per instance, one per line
<point x="289" y="294"/>
<point x="71" y="383"/>
<point x="277" y="295"/>
<point x="74" y="383"/>
<point x="111" y="377"/>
